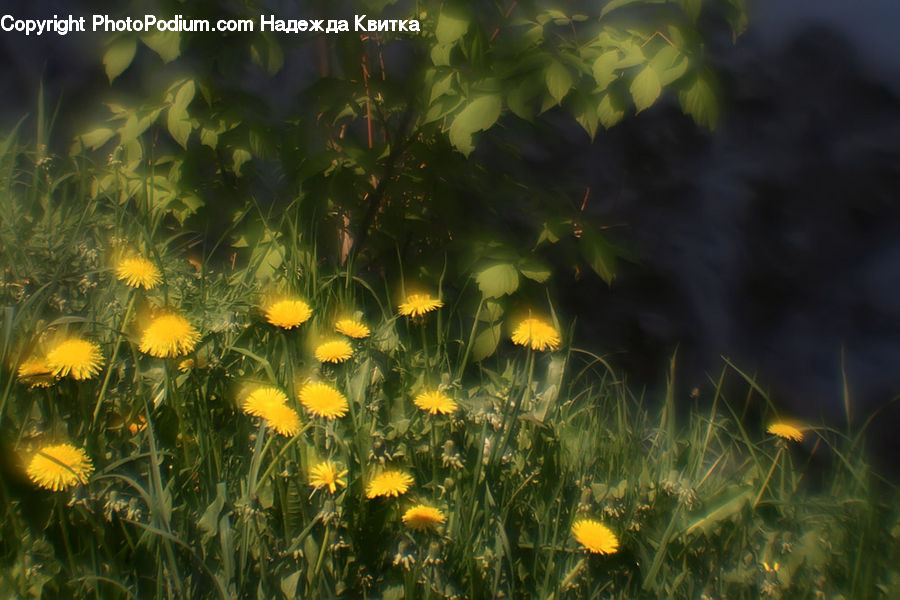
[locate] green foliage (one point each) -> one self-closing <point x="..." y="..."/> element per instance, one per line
<point x="479" y="114"/>
<point x="378" y="154"/>
<point x="645" y="88"/>
<point x="191" y="497"/>
<point x="367" y="189"/>
<point x="699" y="101"/>
<point x="118" y="56"/>
<point x="498" y="280"/>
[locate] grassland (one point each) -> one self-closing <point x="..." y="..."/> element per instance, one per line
<point x="187" y="495"/>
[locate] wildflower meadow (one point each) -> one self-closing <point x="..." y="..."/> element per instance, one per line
<point x="210" y="390"/>
<point x="180" y="428"/>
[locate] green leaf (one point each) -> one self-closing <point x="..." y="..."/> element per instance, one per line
<point x="558" y="79"/>
<point x="209" y="522"/>
<point x="645" y="88"/>
<point x="310" y="553"/>
<point x="725" y="510"/>
<point x="534" y="269"/>
<point x="553" y="230"/>
<point x="451" y="25"/>
<point x="557" y="15"/>
<point x="480" y="114"/>
<point x="440" y="54"/>
<point x="135" y="126"/>
<point x="386" y="337"/>
<point x="393" y="592"/>
<point x="261" y="144"/>
<point x="167" y="44"/>
<point x="444" y="106"/>
<point x="485" y="343"/>
<point x="96" y="138"/>
<point x="209" y="137"/>
<point x="238" y="158"/>
<point x="669" y="64"/>
<point x="441" y="87"/>
<point x="268" y="258"/>
<point x="599" y="253"/>
<point x="614" y="4"/>
<point x="498" y="280"/>
<point x="185" y="94"/>
<point x="665" y="58"/>
<point x="186" y="206"/>
<point x="491" y="312"/>
<point x="604" y="68"/>
<point x="736" y="14"/>
<point x="633" y="54"/>
<point x="179" y="125"/>
<point x="611" y="109"/>
<point x="178" y="119"/>
<point x="600" y="491"/>
<point x="118" y="57"/>
<point x="584" y="109"/>
<point x="289" y="584"/>
<point x="674" y="72"/>
<point x="521" y="97"/>
<point x="698" y="100"/>
<point x="274" y="55"/>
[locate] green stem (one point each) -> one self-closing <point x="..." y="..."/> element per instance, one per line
<point x="768" y="477"/>
<point x="322" y="548"/>
<point x="436" y="453"/>
<point x="281" y="453"/>
<point x="159" y="508"/>
<point x="424" y="345"/>
<point x="65" y="536"/>
<point x="112" y="360"/>
<point x="258" y="452"/>
<point x="6" y="393"/>
<point x="465" y="359"/>
<point x="527" y="395"/>
<point x="510" y="422"/>
<point x="358" y="433"/>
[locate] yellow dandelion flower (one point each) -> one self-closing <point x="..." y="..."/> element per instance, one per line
<point x="78" y="358"/>
<point x="423" y="518"/>
<point x="323" y="400"/>
<point x="262" y="400"/>
<point x="417" y="305"/>
<point x="389" y="483"/>
<point x="270" y="403"/>
<point x="327" y="474"/>
<point x="537" y="334"/>
<point x="288" y="314"/>
<point x="138" y="272"/>
<point x="36" y="372"/>
<point x="58" y="467"/>
<point x="335" y="351"/>
<point x="786" y="431"/>
<point x="169" y="336"/>
<point x="595" y="536"/>
<point x="435" y="402"/>
<point x="352" y="328"/>
<point x="283" y="419"/>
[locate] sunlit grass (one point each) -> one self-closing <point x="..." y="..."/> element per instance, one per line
<point x="412" y="470"/>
